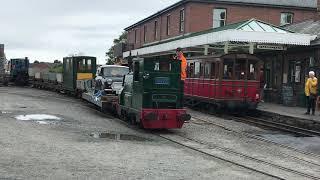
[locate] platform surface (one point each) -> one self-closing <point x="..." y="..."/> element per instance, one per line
<point x="296" y="112"/>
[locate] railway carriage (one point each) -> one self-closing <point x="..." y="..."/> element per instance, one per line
<point x="229" y="81"/>
<point x="76" y="70"/>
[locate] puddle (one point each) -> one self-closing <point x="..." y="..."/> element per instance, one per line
<point x="5" y="112"/>
<point x="36" y="117"/>
<point x="42" y="119"/>
<point x="119" y="137"/>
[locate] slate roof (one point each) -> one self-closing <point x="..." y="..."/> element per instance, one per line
<point x="309" y="4"/>
<point x="306" y="27"/>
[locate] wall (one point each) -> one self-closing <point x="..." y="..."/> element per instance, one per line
<point x="199" y="17"/>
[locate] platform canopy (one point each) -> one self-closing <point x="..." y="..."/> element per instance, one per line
<point x="253" y="34"/>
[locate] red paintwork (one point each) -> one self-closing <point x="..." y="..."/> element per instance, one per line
<point x="166" y="118"/>
<point x="222" y="90"/>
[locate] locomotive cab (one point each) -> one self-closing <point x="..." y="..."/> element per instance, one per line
<point x="152" y="94"/>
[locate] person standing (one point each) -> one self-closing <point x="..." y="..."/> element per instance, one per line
<point x="311" y="92"/>
<point x="179" y="56"/>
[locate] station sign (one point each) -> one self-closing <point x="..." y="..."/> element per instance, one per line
<point x="272" y="47"/>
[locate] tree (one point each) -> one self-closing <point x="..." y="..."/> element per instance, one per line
<point x="111" y="59"/>
<point x="36" y="62"/>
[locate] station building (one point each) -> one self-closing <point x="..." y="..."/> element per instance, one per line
<point x="260" y="27"/>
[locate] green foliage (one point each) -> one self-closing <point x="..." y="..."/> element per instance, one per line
<point x="110" y="53"/>
<point x="58" y="68"/>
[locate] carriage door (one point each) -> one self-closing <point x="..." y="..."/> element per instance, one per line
<point x="240" y="83"/>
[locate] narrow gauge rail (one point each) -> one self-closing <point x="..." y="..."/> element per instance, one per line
<point x="263" y="140"/>
<point x="220" y="148"/>
<point x="277" y="125"/>
<point x="230" y="151"/>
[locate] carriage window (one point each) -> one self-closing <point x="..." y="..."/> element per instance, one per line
<point x="136" y="71"/>
<point x="197" y="69"/>
<point x="213" y="70"/>
<point x="228" y="69"/>
<point x="240" y="69"/>
<point x="191" y="70"/>
<point x="89" y="64"/>
<point x="253" y="68"/>
<point x="207" y="70"/>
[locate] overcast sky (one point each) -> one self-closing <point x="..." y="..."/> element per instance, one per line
<point x="51" y="29"/>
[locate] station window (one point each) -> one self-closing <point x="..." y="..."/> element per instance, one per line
<point x="197" y="69"/>
<point x="145" y="34"/>
<point x="136" y="36"/>
<point x="155" y="30"/>
<point x="286" y="18"/>
<point x="182" y="18"/>
<point x="207" y="70"/>
<point x="228" y="69"/>
<point x="168" y="25"/>
<point x="219" y="17"/>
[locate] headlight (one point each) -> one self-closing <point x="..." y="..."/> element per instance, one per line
<point x="109" y="81"/>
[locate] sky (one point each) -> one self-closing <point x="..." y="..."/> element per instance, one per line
<point x="46" y="30"/>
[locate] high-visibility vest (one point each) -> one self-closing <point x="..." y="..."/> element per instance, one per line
<point x="183" y="67"/>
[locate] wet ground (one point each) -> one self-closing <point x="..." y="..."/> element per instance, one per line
<point x="44" y="135"/>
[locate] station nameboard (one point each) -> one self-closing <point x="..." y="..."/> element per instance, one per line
<point x="271" y="47"/>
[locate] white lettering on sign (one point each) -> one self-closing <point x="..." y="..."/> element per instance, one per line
<point x="271" y="47"/>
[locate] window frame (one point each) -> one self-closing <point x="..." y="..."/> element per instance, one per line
<point x="136" y="36"/>
<point x="182" y="20"/>
<point x="214" y="20"/>
<point x="155" y="30"/>
<point x="286" y="14"/>
<point x="168" y="25"/>
<point x="145" y="31"/>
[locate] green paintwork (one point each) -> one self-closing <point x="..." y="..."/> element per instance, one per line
<point x="72" y="66"/>
<point x="149" y="88"/>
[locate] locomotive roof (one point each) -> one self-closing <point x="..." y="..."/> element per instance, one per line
<point x="79" y="57"/>
<point x="113" y="66"/>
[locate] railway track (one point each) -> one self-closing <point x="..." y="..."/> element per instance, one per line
<point x="278" y="126"/>
<point x="248" y="135"/>
<point x="198" y="146"/>
<point x="247" y="162"/>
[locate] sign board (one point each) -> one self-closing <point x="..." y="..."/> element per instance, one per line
<point x="272" y="47"/>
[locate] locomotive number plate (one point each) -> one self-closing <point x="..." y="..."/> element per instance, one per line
<point x="162" y="81"/>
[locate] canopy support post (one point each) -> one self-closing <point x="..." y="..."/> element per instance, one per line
<point x="226" y="47"/>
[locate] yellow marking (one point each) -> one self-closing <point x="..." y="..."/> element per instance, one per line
<point x="84" y="76"/>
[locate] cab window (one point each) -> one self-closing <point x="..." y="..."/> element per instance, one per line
<point x="162" y="66"/>
<point x="228" y="69"/>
